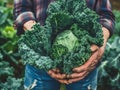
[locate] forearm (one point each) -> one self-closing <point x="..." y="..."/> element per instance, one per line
<point x="106" y="35"/>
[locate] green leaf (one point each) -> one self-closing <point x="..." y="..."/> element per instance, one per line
<point x="3" y="18"/>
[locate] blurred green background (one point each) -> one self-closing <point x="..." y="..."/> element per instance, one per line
<point x="12" y="69"/>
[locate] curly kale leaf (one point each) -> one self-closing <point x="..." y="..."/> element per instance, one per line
<point x="70" y="48"/>
<point x="60" y="21"/>
<point x="80" y="14"/>
<point x="64" y="43"/>
<point x="33" y="58"/>
<point x="85" y="27"/>
<point x="39" y="39"/>
<point x="34" y="46"/>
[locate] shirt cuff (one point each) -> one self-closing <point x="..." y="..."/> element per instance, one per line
<point x="21" y="19"/>
<point x="109" y="25"/>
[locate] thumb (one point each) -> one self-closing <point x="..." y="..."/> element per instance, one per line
<point x="94" y="48"/>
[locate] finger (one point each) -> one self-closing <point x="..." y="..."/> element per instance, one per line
<point x="49" y="72"/>
<point x="56" y="75"/>
<point x="68" y="76"/>
<point x="93" y="57"/>
<point x="56" y="70"/>
<point x="79" y="69"/>
<point x="77" y="79"/>
<point x="101" y="52"/>
<point x="59" y="77"/>
<point x="63" y="81"/>
<point x="53" y="71"/>
<point x="63" y="76"/>
<point x="94" y="48"/>
<point x="77" y="75"/>
<point x="94" y="63"/>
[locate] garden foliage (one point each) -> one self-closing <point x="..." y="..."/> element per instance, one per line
<point x="10" y="64"/>
<point x="109" y="74"/>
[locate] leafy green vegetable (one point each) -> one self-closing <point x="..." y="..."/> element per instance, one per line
<point x="8" y="32"/>
<point x="56" y="20"/>
<point x="65" y="39"/>
<point x="65" y="42"/>
<point x="34" y="47"/>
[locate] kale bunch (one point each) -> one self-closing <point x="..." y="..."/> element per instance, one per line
<point x="34" y="47"/>
<point x="65" y="39"/>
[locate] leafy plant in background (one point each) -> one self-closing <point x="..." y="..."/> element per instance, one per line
<point x="12" y="84"/>
<point x="8" y="32"/>
<point x="109" y="74"/>
<point x="10" y="65"/>
<point x="117" y="17"/>
<point x="5" y="14"/>
<point x="5" y="68"/>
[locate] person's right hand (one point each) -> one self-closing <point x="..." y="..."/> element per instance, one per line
<point x="28" y="25"/>
<point x="55" y="73"/>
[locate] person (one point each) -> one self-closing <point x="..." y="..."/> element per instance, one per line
<point x="28" y="12"/>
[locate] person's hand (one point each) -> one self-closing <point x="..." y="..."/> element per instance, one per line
<point x="82" y="71"/>
<point x="28" y="25"/>
<point x="55" y="73"/>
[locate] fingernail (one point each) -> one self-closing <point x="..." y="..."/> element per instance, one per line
<point x="64" y="76"/>
<point x="69" y="82"/>
<point x="68" y="76"/>
<point x="94" y="48"/>
<point x="74" y="69"/>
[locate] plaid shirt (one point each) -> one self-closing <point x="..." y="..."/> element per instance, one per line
<point x="25" y="10"/>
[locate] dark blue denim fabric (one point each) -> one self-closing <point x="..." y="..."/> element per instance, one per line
<point x="36" y="79"/>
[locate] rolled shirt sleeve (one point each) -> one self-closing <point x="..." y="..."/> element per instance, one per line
<point x="23" y="12"/>
<point x="107" y="19"/>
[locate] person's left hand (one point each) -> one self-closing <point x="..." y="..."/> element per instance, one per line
<point x="82" y="71"/>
